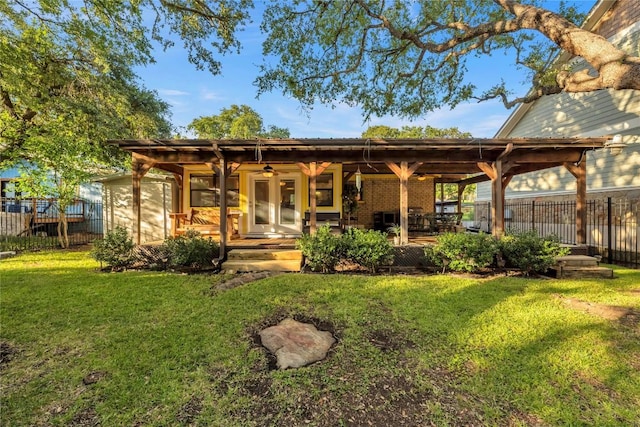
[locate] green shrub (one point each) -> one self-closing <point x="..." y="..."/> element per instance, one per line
<point x="115" y="249"/>
<point x="322" y="250"/>
<point x="529" y="252"/>
<point x="466" y="252"/>
<point x="191" y="250"/>
<point x="369" y="249"/>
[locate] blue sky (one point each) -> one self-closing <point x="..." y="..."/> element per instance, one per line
<point x="192" y="93"/>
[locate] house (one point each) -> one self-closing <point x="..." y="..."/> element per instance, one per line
<point x="600" y="113"/>
<point x="158" y="192"/>
<point x="21" y="214"/>
<point x="277" y="187"/>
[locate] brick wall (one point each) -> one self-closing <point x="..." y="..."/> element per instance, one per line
<point x="622" y="15"/>
<point x="383" y="194"/>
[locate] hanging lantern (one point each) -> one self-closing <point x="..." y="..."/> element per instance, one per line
<point x="358" y="180"/>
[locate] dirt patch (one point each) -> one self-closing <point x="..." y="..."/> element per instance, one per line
<point x="93" y="377"/>
<point x="85" y="418"/>
<point x="396" y="399"/>
<point x="625" y="315"/>
<point x="7" y="353"/>
<point x="388" y="340"/>
<point x="189" y="411"/>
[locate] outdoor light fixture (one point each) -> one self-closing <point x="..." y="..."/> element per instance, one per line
<point x="615" y="145"/>
<point x="267" y="171"/>
<point x="422" y="177"/>
<point x="358" y="179"/>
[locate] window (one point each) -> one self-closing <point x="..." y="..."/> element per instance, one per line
<point x="205" y="191"/>
<point x="324" y="190"/>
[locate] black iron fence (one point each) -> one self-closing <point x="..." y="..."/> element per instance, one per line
<point x="32" y="224"/>
<point x="613" y="225"/>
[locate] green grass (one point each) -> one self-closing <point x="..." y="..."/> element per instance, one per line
<point x="169" y="351"/>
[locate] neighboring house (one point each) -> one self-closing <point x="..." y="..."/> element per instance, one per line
<point x="158" y="193"/>
<point x="19" y="212"/>
<point x="600" y="113"/>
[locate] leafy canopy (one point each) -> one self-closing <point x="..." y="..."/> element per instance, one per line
<point x="410" y="57"/>
<point x="383" y="131"/>
<point x="237" y="121"/>
<point x="66" y="72"/>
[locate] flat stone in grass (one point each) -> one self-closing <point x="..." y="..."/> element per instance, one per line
<point x="296" y="344"/>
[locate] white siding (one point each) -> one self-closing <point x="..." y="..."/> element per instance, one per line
<point x="156" y="206"/>
<point x="592" y="114"/>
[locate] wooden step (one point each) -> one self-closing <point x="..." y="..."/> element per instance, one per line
<point x="264" y="254"/>
<point x="572" y="272"/>
<point x="240" y="265"/>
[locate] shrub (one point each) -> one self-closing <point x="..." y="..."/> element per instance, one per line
<point x="466" y="252"/>
<point x="191" y="250"/>
<point x="369" y="249"/>
<point x="115" y="249"/>
<point x="529" y="252"/>
<point x="322" y="250"/>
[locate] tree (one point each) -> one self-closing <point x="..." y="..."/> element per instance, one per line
<point x="403" y="58"/>
<point x="408" y="58"/>
<point x="237" y="121"/>
<point x="65" y="88"/>
<point x="382" y="131"/>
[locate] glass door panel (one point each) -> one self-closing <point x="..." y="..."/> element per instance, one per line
<point x="287" y="202"/>
<point x="262" y="200"/>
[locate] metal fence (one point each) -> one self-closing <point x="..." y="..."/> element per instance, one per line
<point x="613" y="225"/>
<point x="32" y="224"/>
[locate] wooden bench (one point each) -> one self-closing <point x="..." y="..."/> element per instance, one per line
<point x="204" y="221"/>
<point x="322" y="218"/>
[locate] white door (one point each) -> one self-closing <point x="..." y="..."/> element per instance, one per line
<point x="274" y="205"/>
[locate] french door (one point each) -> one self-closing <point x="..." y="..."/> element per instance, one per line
<point x="274" y="205"/>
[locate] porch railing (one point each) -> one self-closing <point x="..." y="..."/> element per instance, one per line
<point x="613" y="225"/>
<point x="32" y="224"/>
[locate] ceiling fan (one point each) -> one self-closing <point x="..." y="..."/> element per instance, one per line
<point x="268" y="171"/>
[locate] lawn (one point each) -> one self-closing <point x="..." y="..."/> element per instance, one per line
<point x="81" y="347"/>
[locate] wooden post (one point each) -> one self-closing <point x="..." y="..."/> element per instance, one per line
<point x="223" y="170"/>
<point x="580" y="173"/>
<point x="140" y="166"/>
<point x="498" y="218"/>
<point x="313" y="201"/>
<point x="403" y="172"/>
<point x="312" y="171"/>
<point x="494" y="172"/>
<point x="460" y="192"/>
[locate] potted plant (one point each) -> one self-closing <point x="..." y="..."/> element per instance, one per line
<point x="395" y="229"/>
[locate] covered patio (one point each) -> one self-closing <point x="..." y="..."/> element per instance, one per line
<point x="453" y="161"/>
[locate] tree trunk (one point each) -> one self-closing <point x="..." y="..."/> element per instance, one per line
<point x="615" y="68"/>
<point x="63" y="226"/>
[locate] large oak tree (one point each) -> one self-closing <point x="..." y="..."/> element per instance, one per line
<point x="410" y="57"/>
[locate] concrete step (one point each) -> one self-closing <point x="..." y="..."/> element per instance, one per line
<point x="240" y="265"/>
<point x="577" y="261"/>
<point x="7" y="254"/>
<point x="584" y="272"/>
<point x="264" y="254"/>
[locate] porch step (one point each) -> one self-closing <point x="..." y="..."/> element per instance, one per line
<point x="245" y="260"/>
<point x="579" y="266"/>
<point x="264" y="254"/>
<point x="577" y="261"/>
